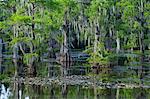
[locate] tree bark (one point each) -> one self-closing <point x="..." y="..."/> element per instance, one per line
<point x="118" y="45"/>
<point x="50" y="70"/>
<point x="1" y="66"/>
<point x="1" y="48"/>
<point x="15" y="51"/>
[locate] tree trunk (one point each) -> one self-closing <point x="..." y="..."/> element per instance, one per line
<point x="31" y="66"/>
<point x="109" y="41"/>
<point x="1" y="48"/>
<point x="141" y="33"/>
<point x="141" y="41"/>
<point x="1" y="66"/>
<point x="64" y="46"/>
<point x="15" y="58"/>
<point x="95" y="88"/>
<point x="50" y="70"/>
<point x="95" y="43"/>
<point x="118" y="45"/>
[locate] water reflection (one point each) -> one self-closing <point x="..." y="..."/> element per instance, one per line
<point x="72" y="92"/>
<point x="4" y="92"/>
<point x="118" y="73"/>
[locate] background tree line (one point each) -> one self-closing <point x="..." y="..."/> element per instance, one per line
<point x="101" y="28"/>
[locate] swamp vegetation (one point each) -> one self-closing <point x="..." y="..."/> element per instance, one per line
<point x="86" y="49"/>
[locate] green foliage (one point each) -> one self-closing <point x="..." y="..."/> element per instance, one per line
<point x="102" y="56"/>
<point x="28" y="57"/>
<point x="3" y="25"/>
<point x="97" y="58"/>
<point x="34" y="23"/>
<point x="59" y="38"/>
<point x="20" y="18"/>
<point x="3" y="76"/>
<point x="132" y="42"/>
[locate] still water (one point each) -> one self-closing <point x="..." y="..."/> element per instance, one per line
<point x="129" y="72"/>
<point x="19" y="91"/>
